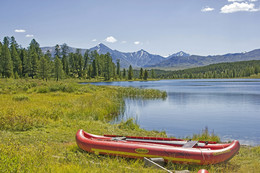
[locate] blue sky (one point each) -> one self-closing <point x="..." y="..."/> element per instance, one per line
<point x="202" y="27"/>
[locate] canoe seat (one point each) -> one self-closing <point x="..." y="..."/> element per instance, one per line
<point x="190" y="144"/>
<point x="119" y="138"/>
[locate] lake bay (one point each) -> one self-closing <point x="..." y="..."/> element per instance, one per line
<point x="229" y="107"/>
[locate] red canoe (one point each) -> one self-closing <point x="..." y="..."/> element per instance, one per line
<point x="171" y="150"/>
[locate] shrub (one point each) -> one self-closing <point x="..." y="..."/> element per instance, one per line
<point x="129" y="124"/>
<point x="20" y="98"/>
<point x="19" y="122"/>
<point x="43" y="90"/>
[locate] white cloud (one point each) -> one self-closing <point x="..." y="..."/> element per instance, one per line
<point x="19" y="30"/>
<point x="137" y="42"/>
<point x="207" y="9"/>
<point x="236" y="7"/>
<point x="236" y="0"/>
<point x="94" y="40"/>
<point x="123" y="42"/>
<point x="29" y="35"/>
<point x="241" y="0"/>
<point x="111" y="39"/>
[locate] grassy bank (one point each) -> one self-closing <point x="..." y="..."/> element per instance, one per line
<point x="39" y="120"/>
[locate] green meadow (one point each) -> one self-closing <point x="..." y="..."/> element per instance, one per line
<point x="39" y="120"/>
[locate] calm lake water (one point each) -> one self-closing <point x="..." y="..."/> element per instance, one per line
<point x="229" y="107"/>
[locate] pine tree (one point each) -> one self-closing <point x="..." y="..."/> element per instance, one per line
<point x="6" y="62"/>
<point x="57" y="68"/>
<point x="130" y="73"/>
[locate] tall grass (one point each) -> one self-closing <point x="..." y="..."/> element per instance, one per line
<point x="38" y="127"/>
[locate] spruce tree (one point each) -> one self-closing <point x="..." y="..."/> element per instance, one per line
<point x="130" y="73"/>
<point x="118" y="68"/>
<point x="43" y="70"/>
<point x="6" y="62"/>
<point x="94" y="68"/>
<point x="14" y="43"/>
<point x="57" y="51"/>
<point x="6" y="41"/>
<point x="0" y="48"/>
<point x="86" y="59"/>
<point x="23" y="54"/>
<point x="141" y="74"/>
<point x="57" y="68"/>
<point x="152" y="74"/>
<point x="145" y="74"/>
<point x="80" y="65"/>
<point x="48" y="54"/>
<point x="124" y="73"/>
<point x="27" y="66"/>
<point x="0" y="59"/>
<point x="35" y="47"/>
<point x="108" y="68"/>
<point x="34" y="62"/>
<point x="64" y="53"/>
<point x="17" y="63"/>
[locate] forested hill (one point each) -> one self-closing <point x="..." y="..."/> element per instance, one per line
<point x="221" y="70"/>
<point x="196" y="60"/>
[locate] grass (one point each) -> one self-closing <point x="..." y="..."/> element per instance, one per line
<point x="39" y="120"/>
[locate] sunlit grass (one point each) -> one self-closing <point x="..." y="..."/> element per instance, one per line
<point x="39" y="120"/>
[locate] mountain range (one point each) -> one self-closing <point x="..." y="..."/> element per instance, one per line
<point x="180" y="59"/>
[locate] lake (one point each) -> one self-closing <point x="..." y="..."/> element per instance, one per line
<point x="229" y="107"/>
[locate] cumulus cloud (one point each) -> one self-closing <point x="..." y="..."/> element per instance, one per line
<point x="236" y="7"/>
<point x="137" y="42"/>
<point x="94" y="40"/>
<point x="29" y="35"/>
<point x="252" y="0"/>
<point x="207" y="9"/>
<point x="19" y="30"/>
<point x="111" y="39"/>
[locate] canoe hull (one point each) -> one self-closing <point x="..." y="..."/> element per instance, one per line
<point x="201" y="156"/>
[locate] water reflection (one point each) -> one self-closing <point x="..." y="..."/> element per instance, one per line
<point x="230" y="107"/>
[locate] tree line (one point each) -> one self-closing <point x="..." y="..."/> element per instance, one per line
<point x="221" y="70"/>
<point x="18" y="62"/>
